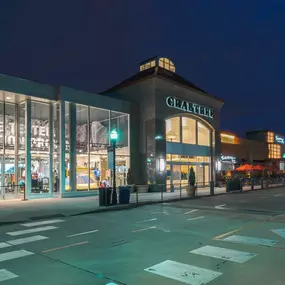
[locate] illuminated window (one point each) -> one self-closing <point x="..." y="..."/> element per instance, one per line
<point x="203" y="135"/>
<point x="147" y="65"/>
<point x="173" y="129"/>
<point x="270" y="137"/>
<point x="188" y="130"/>
<point x="192" y="131"/>
<point x="274" y="151"/>
<point x="166" y="64"/>
<point x="225" y="138"/>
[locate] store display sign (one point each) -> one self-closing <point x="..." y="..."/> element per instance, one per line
<point x="279" y="139"/>
<point x="228" y="158"/>
<point x="40" y="135"/>
<point x="189" y="107"/>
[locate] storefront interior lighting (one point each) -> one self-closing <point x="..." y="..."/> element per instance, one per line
<point x="161" y="164"/>
<point x="228" y="136"/>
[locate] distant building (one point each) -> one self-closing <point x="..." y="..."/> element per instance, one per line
<point x="257" y="148"/>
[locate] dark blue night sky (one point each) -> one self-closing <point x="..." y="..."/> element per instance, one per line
<point x="232" y="49"/>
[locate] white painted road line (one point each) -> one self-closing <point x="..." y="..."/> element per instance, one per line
<point x="6" y="275"/>
<point x="145" y="229"/>
<point x="150" y="220"/>
<point x="183" y="272"/>
<point x="278" y="195"/>
<point x="262" y="197"/>
<point x="26" y="240"/>
<point x="34" y="230"/>
<point x="250" y="240"/>
<point x="221" y="207"/>
<point x="4" y="244"/>
<point x="196" y="218"/>
<point x="192" y="211"/>
<point x="83" y="233"/>
<point x="224" y="253"/>
<point x="42" y="223"/>
<point x="280" y="232"/>
<point x="14" y="254"/>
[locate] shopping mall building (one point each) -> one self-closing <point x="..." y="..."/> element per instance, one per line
<point x="54" y="141"/>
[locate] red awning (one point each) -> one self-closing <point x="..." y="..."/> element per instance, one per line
<point x="245" y="167"/>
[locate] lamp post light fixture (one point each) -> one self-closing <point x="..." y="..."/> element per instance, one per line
<point x="114" y="137"/>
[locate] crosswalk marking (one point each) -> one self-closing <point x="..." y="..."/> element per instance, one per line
<point x="224" y="253"/>
<point x="183" y="272"/>
<point x="250" y="240"/>
<point x="26" y="240"/>
<point x="14" y="254"/>
<point x="4" y="244"/>
<point x="192" y="211"/>
<point x="6" y="275"/>
<point x="196" y="218"/>
<point x="48" y="222"/>
<point x="280" y="232"/>
<point x="34" y="230"/>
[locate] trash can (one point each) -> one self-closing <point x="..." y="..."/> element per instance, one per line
<point x="105" y="196"/>
<point x="124" y="194"/>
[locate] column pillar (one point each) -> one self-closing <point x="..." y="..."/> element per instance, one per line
<point x="160" y="150"/>
<point x="50" y="148"/>
<point x="28" y="164"/>
<point x="17" y="188"/>
<point x="72" y="151"/>
<point x="61" y="147"/>
<point x="212" y="167"/>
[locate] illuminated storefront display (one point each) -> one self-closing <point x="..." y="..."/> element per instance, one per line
<point x="51" y="148"/>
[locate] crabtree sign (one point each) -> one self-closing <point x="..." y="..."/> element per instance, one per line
<point x="190" y="107"/>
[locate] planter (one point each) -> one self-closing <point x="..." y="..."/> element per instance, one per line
<point x="155" y="188"/>
<point x="191" y="190"/>
<point x="142" y="188"/>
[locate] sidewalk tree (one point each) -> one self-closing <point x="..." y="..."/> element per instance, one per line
<point x="192" y="177"/>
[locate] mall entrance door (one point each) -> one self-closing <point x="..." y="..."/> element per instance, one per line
<point x="9" y="186"/>
<point x="177" y="175"/>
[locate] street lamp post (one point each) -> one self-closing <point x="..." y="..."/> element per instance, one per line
<point x="114" y="137"/>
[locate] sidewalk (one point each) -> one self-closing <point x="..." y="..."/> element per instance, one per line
<point x="12" y="211"/>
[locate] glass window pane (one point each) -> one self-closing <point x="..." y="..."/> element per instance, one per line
<point x="82" y="172"/>
<point x="56" y="146"/>
<point x="120" y="122"/>
<point x="203" y="135"/>
<point x="40" y="147"/>
<point x="188" y="130"/>
<point x="99" y="141"/>
<point x="22" y="128"/>
<point x="10" y="134"/>
<point x="173" y="129"/>
<point x="1" y="127"/>
<point x="39" y="127"/>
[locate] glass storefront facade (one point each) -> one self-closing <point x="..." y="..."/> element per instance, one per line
<point x="188" y="133"/>
<point x="75" y="159"/>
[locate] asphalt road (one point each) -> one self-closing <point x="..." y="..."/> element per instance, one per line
<point x="235" y="239"/>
